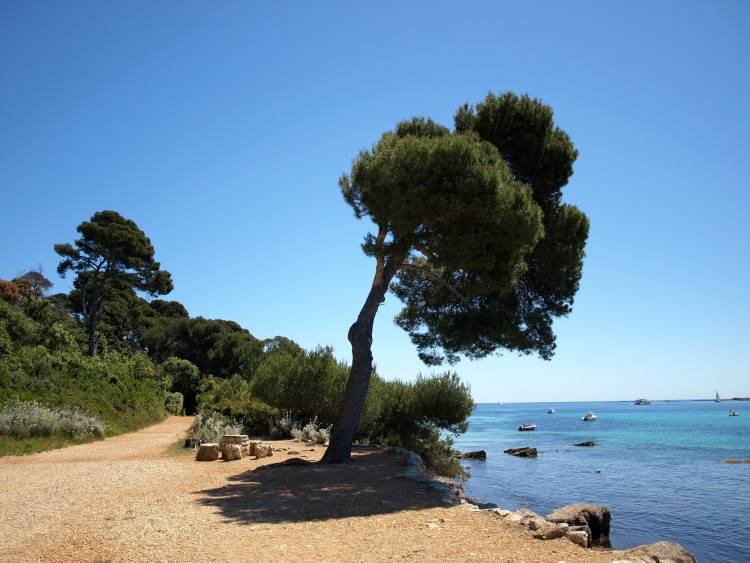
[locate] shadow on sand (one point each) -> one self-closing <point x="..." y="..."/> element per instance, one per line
<point x="289" y="492"/>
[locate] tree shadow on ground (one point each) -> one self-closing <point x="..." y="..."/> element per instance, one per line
<point x="290" y="492"/>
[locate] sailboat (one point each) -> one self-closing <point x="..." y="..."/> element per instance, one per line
<point x="717" y="399"/>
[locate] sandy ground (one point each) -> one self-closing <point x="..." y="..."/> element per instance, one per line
<point x="128" y="498"/>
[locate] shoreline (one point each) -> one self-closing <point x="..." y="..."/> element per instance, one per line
<point x="653" y="465"/>
<point x="132" y="498"/>
<point x="452" y="492"/>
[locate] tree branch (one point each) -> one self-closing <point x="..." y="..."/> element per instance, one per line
<point x="426" y="253"/>
<point x="434" y="277"/>
<point x="379" y="255"/>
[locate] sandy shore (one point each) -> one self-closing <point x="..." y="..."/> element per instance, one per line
<point x="129" y="498"/>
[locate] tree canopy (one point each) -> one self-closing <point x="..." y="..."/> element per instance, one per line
<point x="217" y="347"/>
<point x="112" y="254"/>
<point x="470" y="233"/>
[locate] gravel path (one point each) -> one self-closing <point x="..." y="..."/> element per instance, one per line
<point x="128" y="498"/>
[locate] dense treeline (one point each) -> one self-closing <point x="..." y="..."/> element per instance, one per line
<point x="145" y="358"/>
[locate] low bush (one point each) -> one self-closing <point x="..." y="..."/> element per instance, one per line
<point x="283" y="427"/>
<point x="25" y="420"/>
<point x="212" y="427"/>
<point x="312" y="433"/>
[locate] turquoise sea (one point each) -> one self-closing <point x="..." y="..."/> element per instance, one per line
<point x="658" y="467"/>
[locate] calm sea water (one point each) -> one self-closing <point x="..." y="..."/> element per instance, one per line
<point x="658" y="467"/>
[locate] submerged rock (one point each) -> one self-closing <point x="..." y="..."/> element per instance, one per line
<point x="585" y="444"/>
<point x="522" y="452"/>
<point x="478" y="454"/>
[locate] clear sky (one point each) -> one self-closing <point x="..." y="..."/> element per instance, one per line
<point x="221" y="129"/>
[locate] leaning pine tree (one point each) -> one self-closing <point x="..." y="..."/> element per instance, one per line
<point x="470" y="232"/>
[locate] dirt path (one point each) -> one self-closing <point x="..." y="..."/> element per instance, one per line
<point x="127" y="499"/>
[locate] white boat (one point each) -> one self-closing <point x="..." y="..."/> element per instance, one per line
<point x="525" y="427"/>
<point x="734" y="413"/>
<point x="551" y="411"/>
<point x="642" y="401"/>
<point x="717" y="399"/>
<point x="589" y="416"/>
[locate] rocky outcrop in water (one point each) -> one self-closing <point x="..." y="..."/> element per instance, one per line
<point x="522" y="452"/>
<point x="478" y="454"/>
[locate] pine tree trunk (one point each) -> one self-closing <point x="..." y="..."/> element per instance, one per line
<point x="360" y="336"/>
<point x="92" y="336"/>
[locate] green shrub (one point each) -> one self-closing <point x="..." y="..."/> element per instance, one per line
<point x="230" y="397"/>
<point x="114" y="388"/>
<point x="173" y="403"/>
<point x="260" y="419"/>
<point x="437" y="455"/>
<point x="283" y="427"/>
<point x="415" y="416"/>
<point x="308" y="384"/>
<point x="181" y="376"/>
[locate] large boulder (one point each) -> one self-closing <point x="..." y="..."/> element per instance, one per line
<point x="543" y="530"/>
<point x="232" y="452"/>
<point x="659" y="552"/>
<point x="597" y="518"/>
<point x="207" y="452"/>
<point x="241" y="440"/>
<point x="263" y="450"/>
<point x="579" y="537"/>
<point x="522" y="516"/>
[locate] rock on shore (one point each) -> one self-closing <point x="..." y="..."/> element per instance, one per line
<point x="587" y="525"/>
<point x="659" y="552"/>
<point x="596" y="519"/>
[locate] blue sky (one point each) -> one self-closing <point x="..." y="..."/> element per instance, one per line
<point x="221" y="129"/>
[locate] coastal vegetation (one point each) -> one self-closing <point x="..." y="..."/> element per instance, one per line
<point x="75" y="368"/>
<point x="470" y="233"/>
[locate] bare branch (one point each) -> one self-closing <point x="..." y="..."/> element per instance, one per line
<point x="426" y="253"/>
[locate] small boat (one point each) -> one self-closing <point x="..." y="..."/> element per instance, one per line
<point x="717" y="399"/>
<point x="734" y="413"/>
<point x="589" y="416"/>
<point x="642" y="401"/>
<point x="551" y="411"/>
<point x="525" y="427"/>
